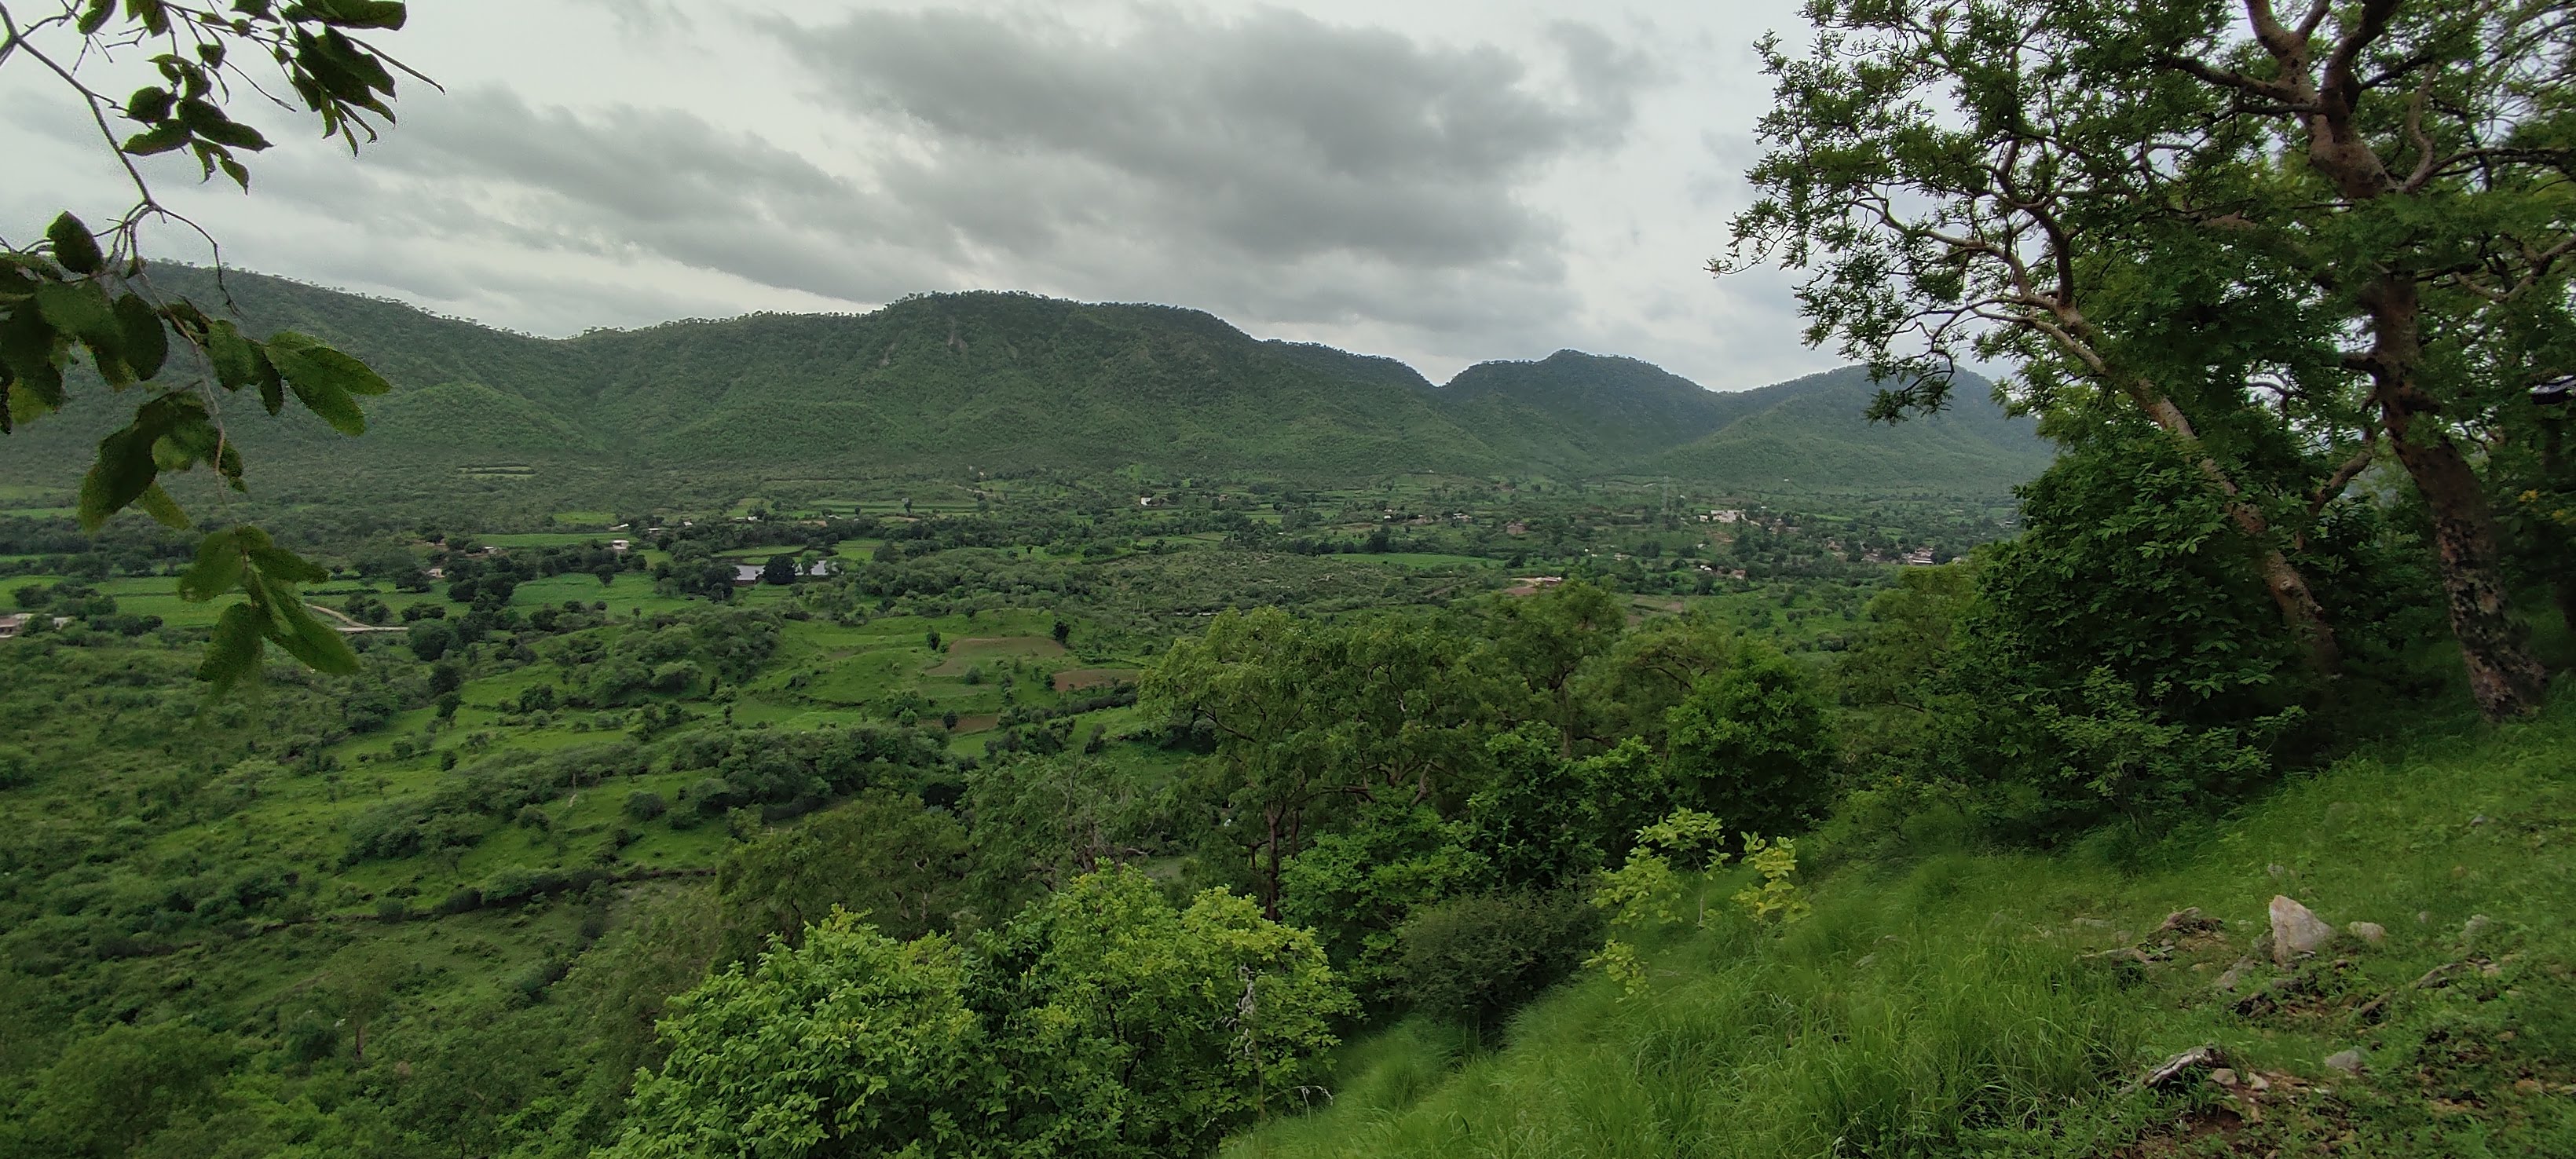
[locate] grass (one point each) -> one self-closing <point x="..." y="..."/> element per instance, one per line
<point x="1943" y="1003"/>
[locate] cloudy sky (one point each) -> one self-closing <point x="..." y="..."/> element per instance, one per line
<point x="1444" y="182"/>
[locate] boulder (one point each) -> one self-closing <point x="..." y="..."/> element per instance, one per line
<point x="2370" y="932"/>
<point x="2347" y="1061"/>
<point x="2296" y="931"/>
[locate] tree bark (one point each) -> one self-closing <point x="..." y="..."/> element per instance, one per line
<point x="2504" y="676"/>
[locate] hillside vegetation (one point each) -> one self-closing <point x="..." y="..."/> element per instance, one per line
<point x="1007" y="384"/>
<point x="1945" y="999"/>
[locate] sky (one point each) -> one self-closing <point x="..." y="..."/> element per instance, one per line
<point x="1442" y="182"/>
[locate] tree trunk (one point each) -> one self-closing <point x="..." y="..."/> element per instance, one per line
<point x="2503" y="674"/>
<point x="2288" y="586"/>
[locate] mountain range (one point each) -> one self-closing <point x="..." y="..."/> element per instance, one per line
<point x="1006" y="382"/>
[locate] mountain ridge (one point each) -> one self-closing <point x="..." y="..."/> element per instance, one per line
<point x="1004" y="380"/>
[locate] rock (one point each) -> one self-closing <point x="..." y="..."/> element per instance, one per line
<point x="2223" y="1077"/>
<point x="2371" y="932"/>
<point x="2278" y="871"/>
<point x="2480" y="819"/>
<point x="2130" y="955"/>
<point x="2347" y="1061"/>
<point x="2438" y="976"/>
<point x="2187" y="921"/>
<point x="2257" y="1082"/>
<point x="2235" y="975"/>
<point x="2477" y="924"/>
<point x="2296" y="931"/>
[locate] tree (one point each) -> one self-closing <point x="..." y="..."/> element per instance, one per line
<point x="430" y="639"/>
<point x="106" y="1093"/>
<point x="1753" y="744"/>
<point x="1139" y="1029"/>
<point x="780" y="571"/>
<point x="884" y="857"/>
<point x="1102" y="1022"/>
<point x="1547" y="639"/>
<point x="1043" y="821"/>
<point x="2284" y="243"/>
<point x="852" y="1044"/>
<point x="1308" y="717"/>
<point x="86" y="297"/>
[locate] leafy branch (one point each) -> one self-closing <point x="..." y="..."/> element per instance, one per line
<point x="82" y="296"/>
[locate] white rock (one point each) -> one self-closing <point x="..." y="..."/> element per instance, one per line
<point x="2296" y="931"/>
<point x="2347" y="1061"/>
<point x="2371" y="932"/>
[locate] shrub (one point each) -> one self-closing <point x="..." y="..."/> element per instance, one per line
<point x="645" y="806"/>
<point x="1476" y="959"/>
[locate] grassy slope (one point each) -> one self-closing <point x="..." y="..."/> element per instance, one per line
<point x="1941" y="1006"/>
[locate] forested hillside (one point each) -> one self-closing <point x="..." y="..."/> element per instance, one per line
<point x="1013" y="383"/>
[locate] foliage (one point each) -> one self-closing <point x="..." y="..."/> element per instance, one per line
<point x="1101" y="1022"/>
<point x="1355" y="887"/>
<point x="1478" y="957"/>
<point x="853" y="1043"/>
<point x="1960" y="180"/>
<point x="1940" y="1003"/>
<point x="883" y="857"/>
<point x="1753" y="742"/>
<point x="1776" y="896"/>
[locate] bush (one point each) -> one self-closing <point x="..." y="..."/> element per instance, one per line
<point x="1476" y="959"/>
<point x="645" y="806"/>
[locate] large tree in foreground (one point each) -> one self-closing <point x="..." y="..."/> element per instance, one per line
<point x="78" y="304"/>
<point x="2288" y="242"/>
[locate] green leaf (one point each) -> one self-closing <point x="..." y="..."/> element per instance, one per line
<point x="80" y="309"/>
<point x="160" y="138"/>
<point x="332" y="404"/>
<point x="316" y="357"/>
<point x="360" y="13"/>
<point x="304" y="637"/>
<point x="27" y="344"/>
<point x="218" y="568"/>
<point x="122" y="472"/>
<point x="236" y="171"/>
<point x="146" y="347"/>
<point x="164" y="510"/>
<point x="234" y="134"/>
<point x="237" y="361"/>
<point x="96" y="17"/>
<point x="74" y="247"/>
<point x="150" y="104"/>
<point x="233" y="655"/>
<point x="283" y="564"/>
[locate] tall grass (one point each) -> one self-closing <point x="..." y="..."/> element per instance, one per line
<point x="1944" y="1005"/>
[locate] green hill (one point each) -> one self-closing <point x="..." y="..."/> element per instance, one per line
<point x="1005" y="382"/>
<point x="1585" y="412"/>
<point x="1814" y="432"/>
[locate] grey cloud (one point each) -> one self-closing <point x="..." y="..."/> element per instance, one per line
<point x="635" y="183"/>
<point x="1273" y="139"/>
